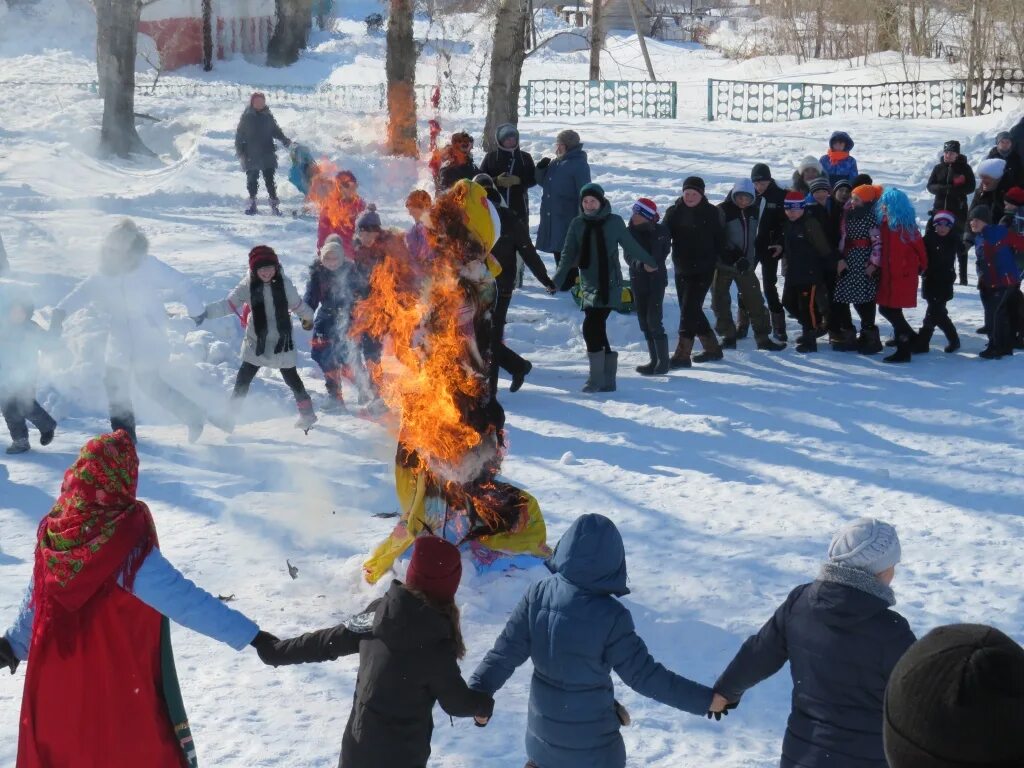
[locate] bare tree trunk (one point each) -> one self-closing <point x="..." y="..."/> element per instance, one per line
<point x="401" y="73"/>
<point x="291" y="31"/>
<point x="117" y="26"/>
<point x="888" y="27"/>
<point x="973" y="55"/>
<point x="507" y="56"/>
<point x="596" y="39"/>
<point x="207" y="35"/>
<point x="642" y="39"/>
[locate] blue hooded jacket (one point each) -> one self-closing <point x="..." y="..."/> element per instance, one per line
<point x="576" y="632"/>
<point x="561" y="181"/>
<point x="843" y="169"/>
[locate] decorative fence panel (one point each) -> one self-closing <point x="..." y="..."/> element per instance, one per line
<point x="608" y="98"/>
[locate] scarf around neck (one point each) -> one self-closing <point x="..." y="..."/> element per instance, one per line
<point x="835" y="156"/>
<point x="857" y="579"/>
<point x="281" y="317"/>
<point x="593" y="230"/>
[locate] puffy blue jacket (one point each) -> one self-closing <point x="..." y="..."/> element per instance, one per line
<point x="561" y="181"/>
<point x="995" y="249"/>
<point x="842" y="169"/>
<point x="842" y="642"/>
<point x="576" y="632"/>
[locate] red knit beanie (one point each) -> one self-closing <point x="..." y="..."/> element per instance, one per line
<point x="1014" y="196"/>
<point x="794" y="201"/>
<point x="435" y="568"/>
<point x="262" y="256"/>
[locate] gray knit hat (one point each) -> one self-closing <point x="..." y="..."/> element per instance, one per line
<point x="866" y="544"/>
<point x="569" y="138"/>
<point x="369" y="221"/>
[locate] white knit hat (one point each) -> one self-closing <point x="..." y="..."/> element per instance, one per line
<point x="993" y="167"/>
<point x="866" y="544"/>
<point x="333" y="243"/>
<point x="810" y="162"/>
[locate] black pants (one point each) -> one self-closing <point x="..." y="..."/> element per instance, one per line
<point x="570" y="279"/>
<point x="901" y="328"/>
<point x="247" y="372"/>
<point x="844" y="320"/>
<point x="961" y="258"/>
<point x="502" y="356"/>
<point x="118" y="382"/>
<point x="998" y="303"/>
<point x="252" y="182"/>
<point x="649" y="297"/>
<point x="22" y="407"/>
<point x="595" y="334"/>
<point x="937" y="316"/>
<point x="770" y="283"/>
<point x="691" y="291"/>
<point x="801" y="302"/>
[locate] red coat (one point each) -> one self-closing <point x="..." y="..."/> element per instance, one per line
<point x="338" y="217"/>
<point x="903" y="259"/>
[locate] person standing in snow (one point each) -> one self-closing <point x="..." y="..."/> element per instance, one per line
<point x="952" y="181"/>
<point x="903" y="260"/>
<point x="990" y="191"/>
<point x="649" y="283"/>
<point x="842" y="640"/>
<point x="1013" y="220"/>
<point x="736" y="265"/>
<point x="575" y="630"/>
<point x="998" y="278"/>
<point x="561" y="180"/>
<point x="268" y="341"/>
<point x="956" y="698"/>
<point x="456" y="163"/>
<point x="101" y="687"/>
<point x="329" y="293"/>
<point x="129" y="293"/>
<point x="859" y="246"/>
<point x="698" y="237"/>
<point x="807" y="171"/>
<point x="942" y="245"/>
<point x="513" y="171"/>
<point x="771" y="220"/>
<point x="1006" y="151"/>
<point x="254" y="144"/>
<point x="409" y="644"/>
<point x="807" y="252"/>
<point x="592" y="246"/>
<point x="838" y="163"/>
<point x="340" y="210"/>
<point x="20" y="343"/>
<point x="513" y="245"/>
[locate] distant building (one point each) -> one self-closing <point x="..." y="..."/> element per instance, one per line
<point x="193" y="31"/>
<point x="666" y="19"/>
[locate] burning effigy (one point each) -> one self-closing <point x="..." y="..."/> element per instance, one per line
<point x="451" y="431"/>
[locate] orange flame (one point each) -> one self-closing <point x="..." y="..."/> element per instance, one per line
<point x="336" y="200"/>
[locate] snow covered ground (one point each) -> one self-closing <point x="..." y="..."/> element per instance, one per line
<point x="727" y="481"/>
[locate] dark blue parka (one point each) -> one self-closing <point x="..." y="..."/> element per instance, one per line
<point x="561" y="181"/>
<point x="842" y="641"/>
<point x="576" y="633"/>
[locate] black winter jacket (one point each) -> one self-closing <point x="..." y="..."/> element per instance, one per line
<point x="1014" y="173"/>
<point x="514" y="163"/>
<point x="771" y="219"/>
<point x="407" y="662"/>
<point x="941" y="272"/>
<point x="450" y="173"/>
<point x="807" y="250"/>
<point x="698" y="237"/>
<point x="254" y="139"/>
<point x="657" y="241"/>
<point x="515" y="239"/>
<point x="949" y="196"/>
<point x="841" y="640"/>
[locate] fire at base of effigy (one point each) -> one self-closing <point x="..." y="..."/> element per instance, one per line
<point x="451" y="435"/>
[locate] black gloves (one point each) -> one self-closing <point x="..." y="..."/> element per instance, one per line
<point x="7" y="657"/>
<point x="742" y="265"/>
<point x="543" y="163"/>
<point x="265" y="645"/>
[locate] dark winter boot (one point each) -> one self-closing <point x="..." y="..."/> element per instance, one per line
<point x="766" y="343"/>
<point x="728" y="342"/>
<point x="661" y="347"/>
<point x="921" y="343"/>
<point x="993" y="353"/>
<point x="306" y="416"/>
<point x="903" y="354"/>
<point x="252" y="209"/>
<point x="18" y="446"/>
<point x="611" y="367"/>
<point x="808" y="341"/>
<point x="46" y="436"/>
<point x="595" y="381"/>
<point x="681" y="357"/>
<point x="742" y="324"/>
<point x="275" y="206"/>
<point x="952" y="337"/>
<point x="870" y="341"/>
<point x="519" y="377"/>
<point x="712" y="350"/>
<point x="844" y="341"/>
<point x="890" y="342"/>
<point x="647" y="369"/>
<point x="779" y="326"/>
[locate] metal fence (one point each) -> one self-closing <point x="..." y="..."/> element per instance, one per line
<point x="606" y="98"/>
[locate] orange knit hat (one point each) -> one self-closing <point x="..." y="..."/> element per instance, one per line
<point x="868" y="193"/>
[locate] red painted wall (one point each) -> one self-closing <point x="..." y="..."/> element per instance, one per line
<point x="179" y="41"/>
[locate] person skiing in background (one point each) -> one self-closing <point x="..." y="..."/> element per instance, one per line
<point x="956" y="698"/>
<point x="329" y="293"/>
<point x="942" y="245"/>
<point x="838" y="163"/>
<point x="771" y="220"/>
<point x="592" y="246"/>
<point x="736" y="264"/>
<point x="456" y="163"/>
<point x="649" y="283"/>
<point x="807" y="171"/>
<point x="807" y="252"/>
<point x="561" y="180"/>
<point x="129" y="293"/>
<point x="94" y="627"/>
<point x="268" y="341"/>
<point x="409" y="644"/>
<point x="21" y="340"/>
<point x="859" y="246"/>
<point x="698" y="237"/>
<point x="254" y="145"/>
<point x="903" y="261"/>
<point x="998" y="278"/>
<point x="1005" y="150"/>
<point x="842" y="639"/>
<point x="339" y="211"/>
<point x="575" y="630"/>
<point x="512" y="169"/>
<point x="952" y="182"/>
